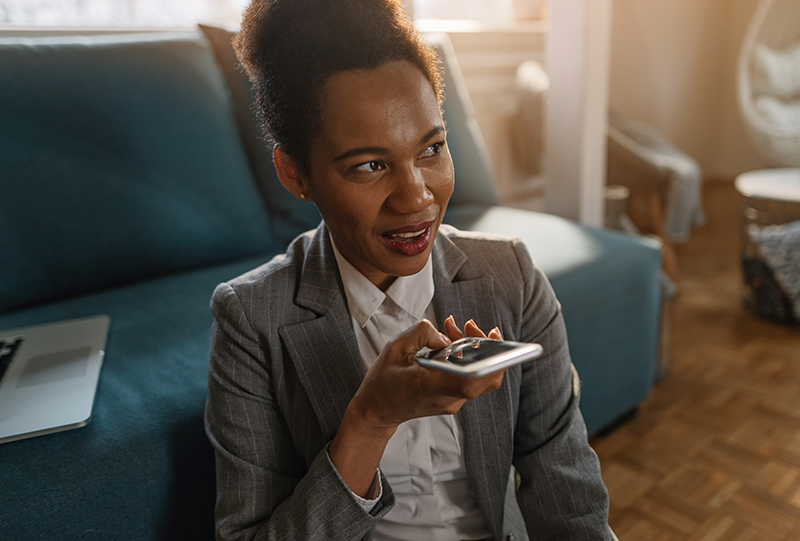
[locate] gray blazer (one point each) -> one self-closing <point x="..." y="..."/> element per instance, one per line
<point x="285" y="364"/>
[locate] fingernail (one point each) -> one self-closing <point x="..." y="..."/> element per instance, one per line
<point x="445" y="337"/>
<point x="471" y="321"/>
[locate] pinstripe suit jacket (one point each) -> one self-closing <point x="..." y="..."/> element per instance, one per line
<point x="285" y="364"/>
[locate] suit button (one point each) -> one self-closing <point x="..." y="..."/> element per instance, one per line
<point x="511" y="537"/>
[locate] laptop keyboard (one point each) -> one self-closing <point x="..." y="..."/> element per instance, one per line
<point x="8" y="348"/>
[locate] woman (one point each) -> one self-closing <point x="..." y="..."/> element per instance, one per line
<point x="324" y="426"/>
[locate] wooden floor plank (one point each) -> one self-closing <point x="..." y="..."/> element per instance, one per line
<point x="714" y="453"/>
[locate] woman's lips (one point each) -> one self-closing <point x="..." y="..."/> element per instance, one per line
<point x="409" y="240"/>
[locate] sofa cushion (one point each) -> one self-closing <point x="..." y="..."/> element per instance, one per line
<point x="120" y="160"/>
<point x="289" y="216"/>
<point x="474" y="174"/>
<point x="142" y="469"/>
<point x="607" y="284"/>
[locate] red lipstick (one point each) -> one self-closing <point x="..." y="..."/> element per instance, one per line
<point x="409" y="240"/>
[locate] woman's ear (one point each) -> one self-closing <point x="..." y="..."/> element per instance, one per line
<point x="289" y="174"/>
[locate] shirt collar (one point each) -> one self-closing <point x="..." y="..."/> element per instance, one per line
<point x="411" y="293"/>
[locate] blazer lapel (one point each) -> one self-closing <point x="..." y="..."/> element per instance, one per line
<point x="463" y="298"/>
<point x="324" y="349"/>
<point x="487" y="421"/>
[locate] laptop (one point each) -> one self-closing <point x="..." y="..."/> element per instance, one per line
<point x="48" y="376"/>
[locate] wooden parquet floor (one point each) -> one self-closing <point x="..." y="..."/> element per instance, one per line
<point x="714" y="452"/>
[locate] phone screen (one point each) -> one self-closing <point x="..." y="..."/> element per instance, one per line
<point x="475" y="357"/>
<point x="471" y="350"/>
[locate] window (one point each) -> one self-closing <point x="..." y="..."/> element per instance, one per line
<point x="481" y="10"/>
<point x="185" y="13"/>
<point x="127" y="13"/>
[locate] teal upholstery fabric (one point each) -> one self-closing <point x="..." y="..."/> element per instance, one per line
<point x="287" y="215"/>
<point x="142" y="469"/>
<point x="474" y="174"/>
<point x="608" y="286"/>
<point x="120" y="160"/>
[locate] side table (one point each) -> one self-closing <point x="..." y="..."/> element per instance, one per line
<point x="769" y="248"/>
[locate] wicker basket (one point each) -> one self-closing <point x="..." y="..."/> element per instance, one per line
<point x="764" y="294"/>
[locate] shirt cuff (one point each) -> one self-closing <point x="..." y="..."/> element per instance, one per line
<point x="375" y="492"/>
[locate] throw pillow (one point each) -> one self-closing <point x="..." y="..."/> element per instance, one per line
<point x="783" y="116"/>
<point x="777" y="73"/>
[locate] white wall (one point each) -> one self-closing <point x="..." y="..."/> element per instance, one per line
<point x="673" y="65"/>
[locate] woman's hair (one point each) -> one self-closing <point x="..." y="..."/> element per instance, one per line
<point x="290" y="48"/>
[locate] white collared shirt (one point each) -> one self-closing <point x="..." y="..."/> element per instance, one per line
<point x="424" y="460"/>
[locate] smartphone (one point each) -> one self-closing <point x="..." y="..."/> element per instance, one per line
<point x="476" y="357"/>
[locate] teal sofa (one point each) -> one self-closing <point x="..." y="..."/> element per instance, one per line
<point x="132" y="181"/>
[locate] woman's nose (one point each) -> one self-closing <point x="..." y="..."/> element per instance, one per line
<point x="410" y="193"/>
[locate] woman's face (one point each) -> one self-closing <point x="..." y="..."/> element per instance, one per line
<point x="380" y="171"/>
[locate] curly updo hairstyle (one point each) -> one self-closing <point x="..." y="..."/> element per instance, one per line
<point x="290" y="48"/>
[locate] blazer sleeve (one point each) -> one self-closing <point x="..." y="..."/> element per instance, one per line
<point x="264" y="489"/>
<point x="561" y="492"/>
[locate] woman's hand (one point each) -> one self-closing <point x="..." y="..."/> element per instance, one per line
<point x="471" y="329"/>
<point x="397" y="389"/>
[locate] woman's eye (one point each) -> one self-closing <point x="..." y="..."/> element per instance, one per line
<point x="432" y="150"/>
<point x="369" y="167"/>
